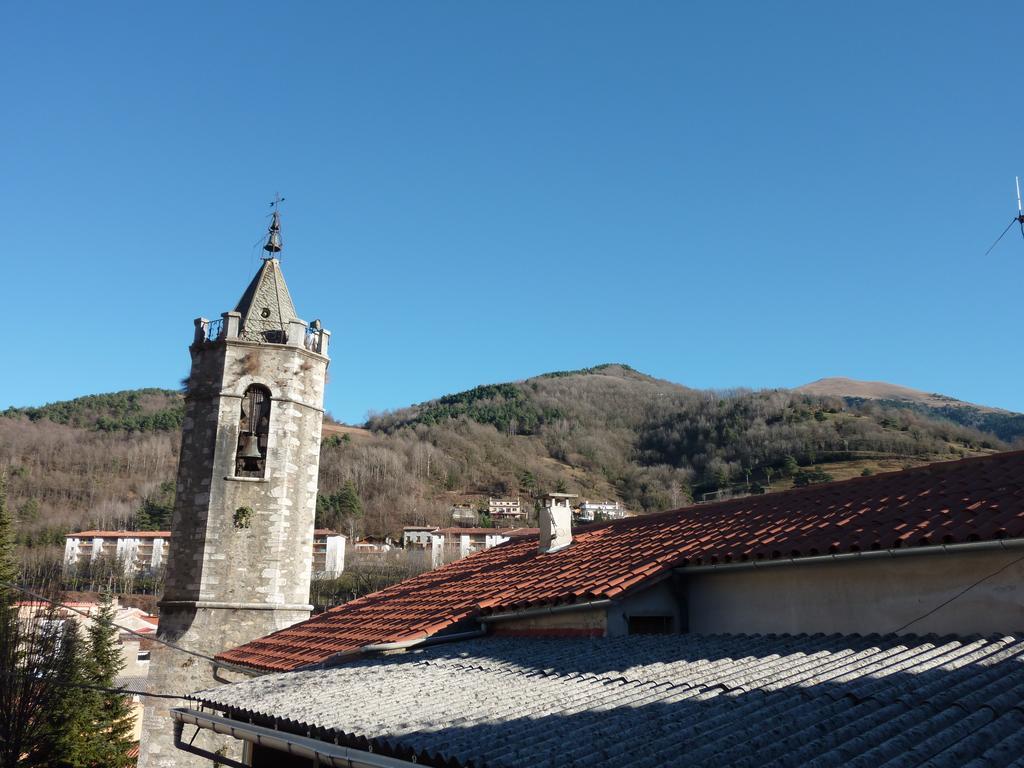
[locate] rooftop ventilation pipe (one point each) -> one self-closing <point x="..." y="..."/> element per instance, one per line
<point x="556" y="522"/>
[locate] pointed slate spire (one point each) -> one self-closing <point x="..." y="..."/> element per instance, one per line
<point x="266" y="306"/>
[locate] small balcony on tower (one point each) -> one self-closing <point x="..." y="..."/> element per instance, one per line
<point x="294" y="332"/>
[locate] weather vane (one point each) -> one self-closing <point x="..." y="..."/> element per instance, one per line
<point x="1019" y="219"/>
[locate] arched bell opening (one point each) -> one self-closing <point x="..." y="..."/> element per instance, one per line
<point x="253" y="429"/>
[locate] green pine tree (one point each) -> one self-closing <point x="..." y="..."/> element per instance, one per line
<point x="143" y="521"/>
<point x="154" y="514"/>
<point x="106" y="717"/>
<point x="29" y="511"/>
<point x="351" y="505"/>
<point x="789" y="466"/>
<point x="8" y="561"/>
<point x="39" y="667"/>
<point x="64" y="742"/>
<point x="343" y="508"/>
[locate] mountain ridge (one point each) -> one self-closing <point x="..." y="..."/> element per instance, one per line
<point x="156" y="409"/>
<point x="605" y="432"/>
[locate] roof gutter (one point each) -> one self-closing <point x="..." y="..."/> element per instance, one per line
<point x="320" y="752"/>
<point x="872" y="554"/>
<point x="545" y="611"/>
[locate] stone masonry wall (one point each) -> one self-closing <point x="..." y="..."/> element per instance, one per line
<point x="228" y="584"/>
<point x="208" y="631"/>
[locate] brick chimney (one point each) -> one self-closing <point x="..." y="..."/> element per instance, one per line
<point x="556" y="522"/>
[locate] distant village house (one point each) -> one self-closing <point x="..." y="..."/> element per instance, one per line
<point x="370" y="546"/>
<point x="417" y="536"/>
<point x="505" y="509"/>
<point x="463" y="514"/>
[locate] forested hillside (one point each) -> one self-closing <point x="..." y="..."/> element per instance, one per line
<point x="105" y="461"/>
<point x="137" y="410"/>
<point x="611" y="431"/>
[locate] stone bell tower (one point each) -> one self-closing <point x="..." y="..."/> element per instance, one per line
<point x="242" y="532"/>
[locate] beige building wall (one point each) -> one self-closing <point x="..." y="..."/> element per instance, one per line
<point x="864" y="596"/>
<point x="582" y="621"/>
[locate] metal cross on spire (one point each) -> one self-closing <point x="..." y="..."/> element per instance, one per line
<point x="274" y="244"/>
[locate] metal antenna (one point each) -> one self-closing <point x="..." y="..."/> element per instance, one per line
<point x="1020" y="211"/>
<point x="1018" y="219"/>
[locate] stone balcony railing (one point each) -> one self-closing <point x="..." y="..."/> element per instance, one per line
<point x="212" y="330"/>
<point x="297" y="333"/>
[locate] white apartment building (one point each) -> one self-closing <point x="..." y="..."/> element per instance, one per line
<point x="146" y="551"/>
<point x="589" y="511"/>
<point x="449" y="544"/>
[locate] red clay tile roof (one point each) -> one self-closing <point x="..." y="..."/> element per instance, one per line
<point x="969" y="500"/>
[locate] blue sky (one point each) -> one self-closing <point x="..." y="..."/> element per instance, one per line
<point x="720" y="194"/>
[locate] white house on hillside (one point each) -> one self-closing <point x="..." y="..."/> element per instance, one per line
<point x="506" y="509"/>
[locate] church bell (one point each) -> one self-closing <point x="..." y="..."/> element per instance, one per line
<point x="273" y="236"/>
<point x="250" y="448"/>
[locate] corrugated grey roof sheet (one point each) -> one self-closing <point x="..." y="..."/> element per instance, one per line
<point x="682" y="700"/>
<point x="132" y="683"/>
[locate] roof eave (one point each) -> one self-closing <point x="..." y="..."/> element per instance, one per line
<point x="320" y="752"/>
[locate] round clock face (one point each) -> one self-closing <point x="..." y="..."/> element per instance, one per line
<point x="265" y="312"/>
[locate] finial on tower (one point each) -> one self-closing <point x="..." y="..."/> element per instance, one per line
<point x="274" y="244"/>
